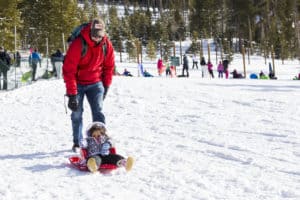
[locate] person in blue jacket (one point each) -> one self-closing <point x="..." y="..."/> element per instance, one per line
<point x="34" y="59"/>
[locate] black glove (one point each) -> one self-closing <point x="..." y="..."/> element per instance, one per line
<point x="73" y="103"/>
<point x="105" y="92"/>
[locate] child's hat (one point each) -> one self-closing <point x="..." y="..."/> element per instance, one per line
<point x="95" y="125"/>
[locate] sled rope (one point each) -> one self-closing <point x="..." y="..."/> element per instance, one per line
<point x="65" y="104"/>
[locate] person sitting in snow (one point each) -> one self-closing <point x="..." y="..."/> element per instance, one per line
<point x="235" y="74"/>
<point x="126" y="73"/>
<point x="262" y="75"/>
<point x="147" y="74"/>
<point x="98" y="145"/>
<point x="272" y="75"/>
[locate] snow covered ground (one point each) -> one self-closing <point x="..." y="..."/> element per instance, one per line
<point x="196" y="138"/>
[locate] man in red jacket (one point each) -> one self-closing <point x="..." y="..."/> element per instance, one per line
<point x="89" y="74"/>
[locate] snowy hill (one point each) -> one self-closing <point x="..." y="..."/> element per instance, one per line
<point x="192" y="139"/>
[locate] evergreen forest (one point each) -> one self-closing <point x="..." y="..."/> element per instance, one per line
<point x="260" y="26"/>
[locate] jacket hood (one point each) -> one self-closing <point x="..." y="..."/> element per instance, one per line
<point x="94" y="124"/>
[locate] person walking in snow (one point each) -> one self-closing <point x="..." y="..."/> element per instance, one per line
<point x="34" y="59"/>
<point x="160" y="66"/>
<point x="89" y="75"/>
<point x="98" y="145"/>
<point x="225" y="65"/>
<point x="220" y="70"/>
<point x="195" y="61"/>
<point x="57" y="61"/>
<point x="203" y="64"/>
<point x="4" y="66"/>
<point x="210" y="68"/>
<point x="185" y="66"/>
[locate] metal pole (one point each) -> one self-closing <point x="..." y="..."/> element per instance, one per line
<point x="64" y="44"/>
<point x="47" y="52"/>
<point x="16" y="56"/>
<point x="216" y="49"/>
<point x="208" y="50"/>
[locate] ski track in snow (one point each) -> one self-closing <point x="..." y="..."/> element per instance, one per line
<point x="192" y="139"/>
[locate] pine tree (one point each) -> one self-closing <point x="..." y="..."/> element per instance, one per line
<point x="10" y="19"/>
<point x="48" y="19"/>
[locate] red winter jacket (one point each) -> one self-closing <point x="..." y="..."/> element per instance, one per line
<point x="90" y="69"/>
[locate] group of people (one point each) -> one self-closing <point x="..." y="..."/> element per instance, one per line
<point x="91" y="76"/>
<point x="221" y="68"/>
<point x="56" y="59"/>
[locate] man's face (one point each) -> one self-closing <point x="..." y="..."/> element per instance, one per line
<point x="97" y="32"/>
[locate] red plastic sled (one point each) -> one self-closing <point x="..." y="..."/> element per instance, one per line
<point x="79" y="162"/>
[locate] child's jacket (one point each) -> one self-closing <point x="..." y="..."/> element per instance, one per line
<point x="95" y="147"/>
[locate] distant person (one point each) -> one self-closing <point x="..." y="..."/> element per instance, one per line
<point x="203" y="64"/>
<point x="272" y="75"/>
<point x="195" y="61"/>
<point x="185" y="67"/>
<point x="17" y="57"/>
<point x="210" y="68"/>
<point x="271" y="72"/>
<point x="226" y="70"/>
<point x="5" y="62"/>
<point x="160" y="66"/>
<point x="220" y="70"/>
<point x="57" y="63"/>
<point x="173" y="71"/>
<point x="140" y="69"/>
<point x="127" y="73"/>
<point x="34" y="59"/>
<point x="262" y="75"/>
<point x="147" y="74"/>
<point x="235" y="74"/>
<point x="168" y="70"/>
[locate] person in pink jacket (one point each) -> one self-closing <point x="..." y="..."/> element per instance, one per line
<point x="160" y="66"/>
<point x="220" y="70"/>
<point x="209" y="67"/>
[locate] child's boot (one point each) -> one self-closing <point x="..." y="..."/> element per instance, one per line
<point x="129" y="163"/>
<point x="92" y="165"/>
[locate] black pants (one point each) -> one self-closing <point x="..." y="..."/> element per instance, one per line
<point x="185" y="69"/>
<point x="34" y="66"/>
<point x="211" y="73"/>
<point x="168" y="72"/>
<point x="195" y="63"/>
<point x="108" y="159"/>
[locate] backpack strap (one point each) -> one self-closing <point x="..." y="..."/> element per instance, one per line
<point x="104" y="48"/>
<point x="84" y="47"/>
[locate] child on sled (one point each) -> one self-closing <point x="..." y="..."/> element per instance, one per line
<point x="98" y="145"/>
